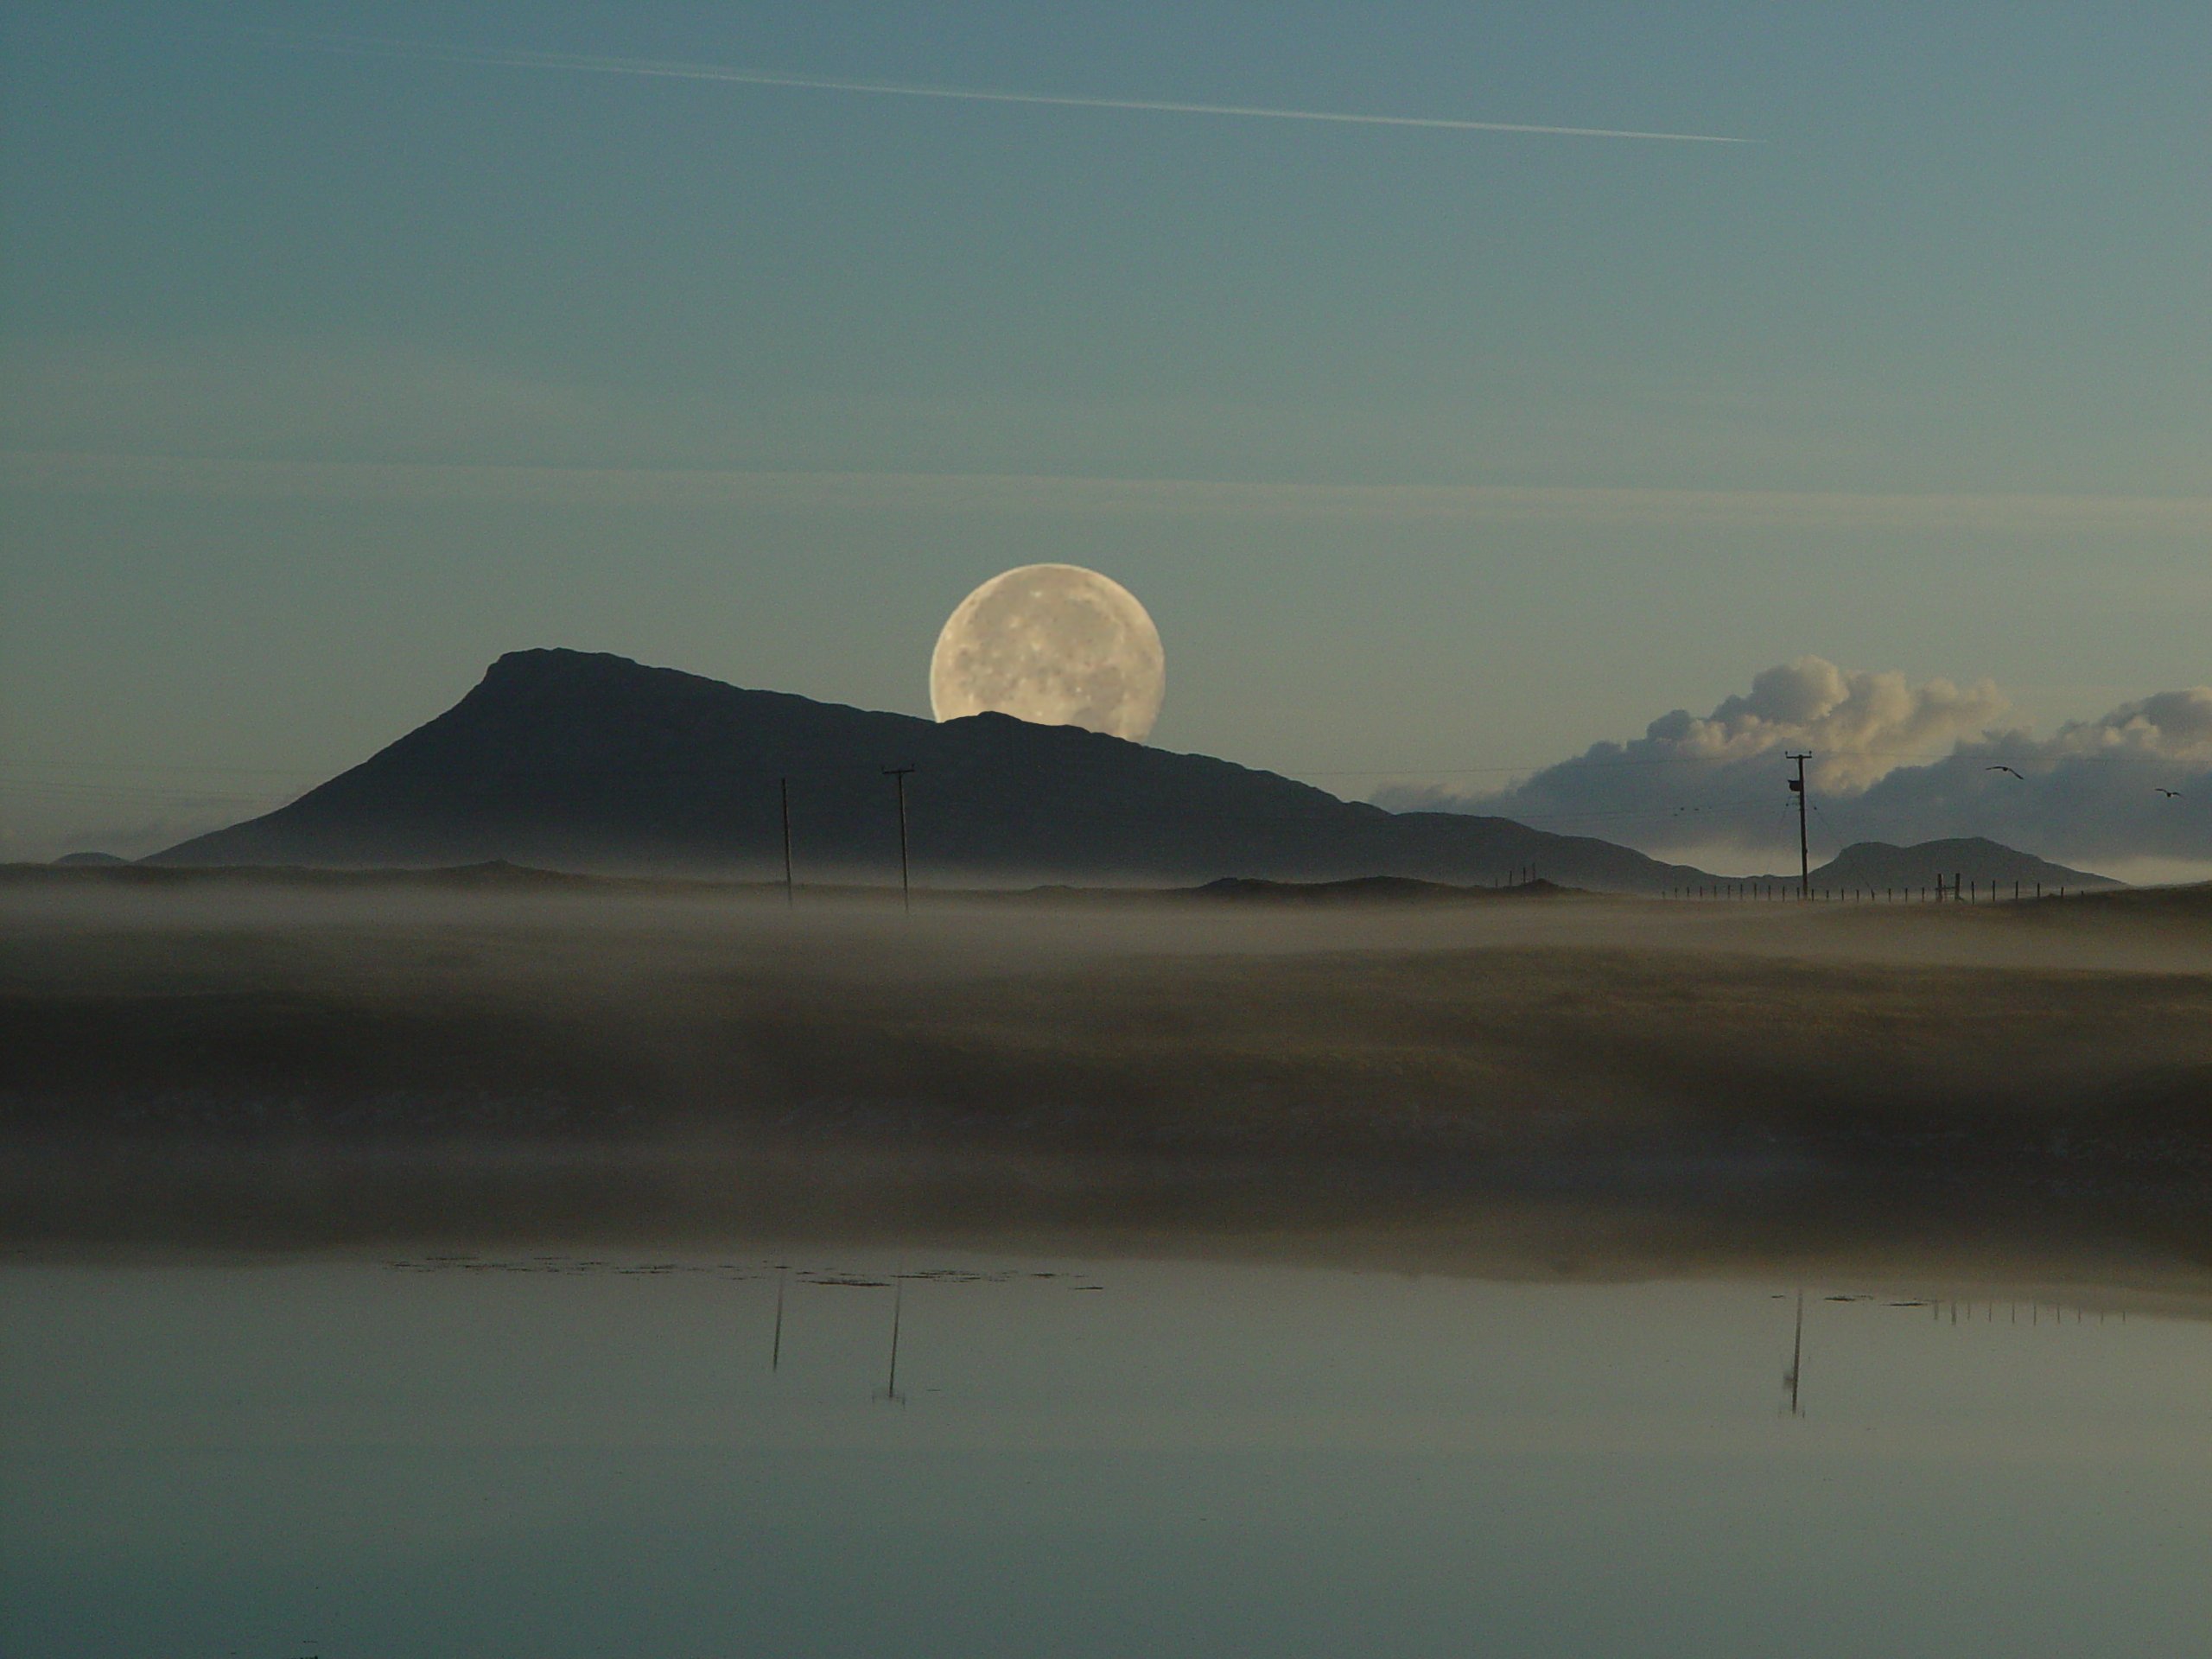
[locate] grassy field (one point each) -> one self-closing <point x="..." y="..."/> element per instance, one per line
<point x="232" y="1061"/>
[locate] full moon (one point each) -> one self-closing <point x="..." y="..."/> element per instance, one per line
<point x="1054" y="643"/>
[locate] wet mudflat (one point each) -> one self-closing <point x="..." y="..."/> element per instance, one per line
<point x="866" y="1449"/>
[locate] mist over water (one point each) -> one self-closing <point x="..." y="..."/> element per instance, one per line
<point x="271" y="1065"/>
<point x="409" y="1267"/>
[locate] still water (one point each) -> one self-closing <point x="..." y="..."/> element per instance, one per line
<point x="538" y="1457"/>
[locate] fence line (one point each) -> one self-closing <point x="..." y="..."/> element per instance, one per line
<point x="1953" y="889"/>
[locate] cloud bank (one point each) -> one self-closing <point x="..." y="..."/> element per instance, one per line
<point x="1891" y="761"/>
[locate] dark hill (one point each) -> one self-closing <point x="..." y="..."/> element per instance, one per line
<point x="1365" y="890"/>
<point x="580" y="762"/>
<point x="1876" y="864"/>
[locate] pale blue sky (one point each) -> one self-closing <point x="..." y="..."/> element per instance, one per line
<point x="1534" y="438"/>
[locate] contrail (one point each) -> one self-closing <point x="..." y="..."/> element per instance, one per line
<point x="664" y="70"/>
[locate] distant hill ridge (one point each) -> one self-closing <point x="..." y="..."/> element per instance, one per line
<point x="584" y="761"/>
<point x="1878" y="865"/>
<point x="1367" y="890"/>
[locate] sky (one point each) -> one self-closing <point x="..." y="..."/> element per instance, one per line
<point x="335" y="369"/>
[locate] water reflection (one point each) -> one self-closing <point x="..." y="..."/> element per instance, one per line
<point x="1792" y="1379"/>
<point x="776" y="1343"/>
<point x="897" y="1303"/>
<point x="569" y="1456"/>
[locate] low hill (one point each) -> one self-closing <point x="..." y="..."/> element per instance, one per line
<point x="581" y="761"/>
<point x="1880" y="866"/>
<point x="1367" y="890"/>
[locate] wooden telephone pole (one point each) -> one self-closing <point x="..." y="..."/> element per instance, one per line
<point x="899" y="776"/>
<point x="791" y="896"/>
<point x="1804" y="847"/>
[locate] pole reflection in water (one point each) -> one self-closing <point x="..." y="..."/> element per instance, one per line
<point x="776" y="1346"/>
<point x="1791" y="1377"/>
<point x="898" y="1304"/>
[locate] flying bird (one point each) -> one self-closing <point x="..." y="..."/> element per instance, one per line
<point x="2171" y="794"/>
<point x="2004" y="769"/>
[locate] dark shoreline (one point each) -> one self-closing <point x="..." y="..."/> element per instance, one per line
<point x="1581" y="1220"/>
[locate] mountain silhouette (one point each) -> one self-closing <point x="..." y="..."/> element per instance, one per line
<point x="577" y="760"/>
<point x="584" y="761"/>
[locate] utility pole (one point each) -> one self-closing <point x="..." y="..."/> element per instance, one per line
<point x="1804" y="849"/>
<point x="791" y="895"/>
<point x="898" y="776"/>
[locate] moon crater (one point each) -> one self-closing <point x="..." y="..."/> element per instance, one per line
<point x="1053" y="643"/>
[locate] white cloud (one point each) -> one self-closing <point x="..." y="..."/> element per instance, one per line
<point x="1891" y="761"/>
<point x="1857" y="724"/>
